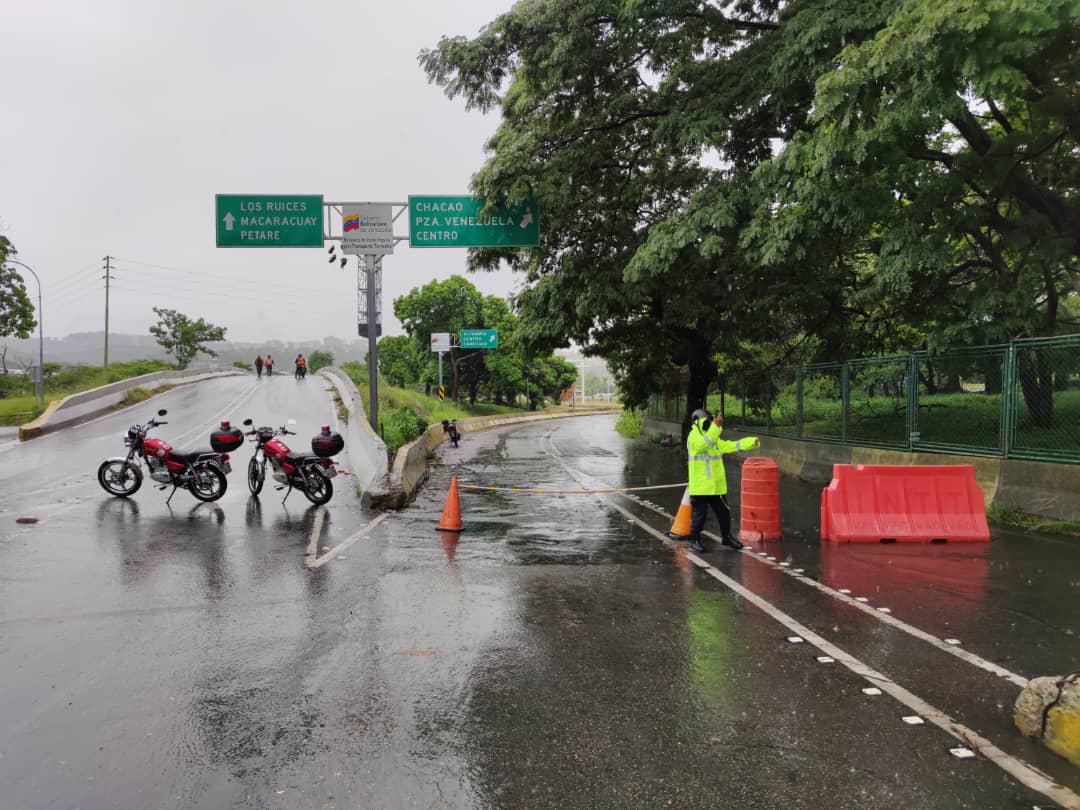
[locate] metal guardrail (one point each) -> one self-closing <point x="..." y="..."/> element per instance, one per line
<point x="1016" y="400"/>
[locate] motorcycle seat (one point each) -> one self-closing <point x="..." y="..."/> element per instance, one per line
<point x="192" y="455"/>
<point x="296" y="459"/>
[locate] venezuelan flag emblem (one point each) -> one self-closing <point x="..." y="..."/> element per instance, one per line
<point x="351" y="222"/>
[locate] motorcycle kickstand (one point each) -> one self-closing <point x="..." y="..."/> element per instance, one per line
<point x="290" y="489"/>
<point x="171" y="494"/>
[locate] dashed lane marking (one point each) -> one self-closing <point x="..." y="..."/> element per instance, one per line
<point x="320" y="561"/>
<point x="861" y="603"/>
<point x="1027" y="775"/>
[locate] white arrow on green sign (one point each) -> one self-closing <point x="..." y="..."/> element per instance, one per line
<point x="269" y="220"/>
<point x="458" y="222"/>
<point x="479" y="339"/>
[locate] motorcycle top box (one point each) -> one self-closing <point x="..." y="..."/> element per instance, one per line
<point x="226" y="439"/>
<point x="327" y="443"/>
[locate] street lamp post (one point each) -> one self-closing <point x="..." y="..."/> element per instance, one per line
<point x="41" y="339"/>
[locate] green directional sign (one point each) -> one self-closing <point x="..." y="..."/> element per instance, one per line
<point x="269" y="220"/>
<point x="479" y="339"/>
<point x="458" y="222"/>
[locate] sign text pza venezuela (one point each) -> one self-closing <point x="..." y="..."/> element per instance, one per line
<point x="458" y="222"/>
<point x="269" y="220"/>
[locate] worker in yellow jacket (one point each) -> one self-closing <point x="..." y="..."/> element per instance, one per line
<point x="708" y="484"/>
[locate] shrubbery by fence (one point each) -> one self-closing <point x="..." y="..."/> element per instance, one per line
<point x="1019" y="400"/>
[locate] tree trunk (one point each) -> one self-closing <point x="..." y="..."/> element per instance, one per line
<point x="702" y="374"/>
<point x="1037" y="384"/>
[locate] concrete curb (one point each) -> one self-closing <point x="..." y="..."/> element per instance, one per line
<point x="411" y="461"/>
<point x="1034" y="487"/>
<point x="363" y="447"/>
<point x="86" y="405"/>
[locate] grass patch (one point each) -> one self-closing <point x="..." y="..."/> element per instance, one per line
<point x="1011" y="516"/>
<point x="963" y="419"/>
<point x="18" y="404"/>
<point x="429" y="407"/>
<point x="630" y="424"/>
<point x="136" y="394"/>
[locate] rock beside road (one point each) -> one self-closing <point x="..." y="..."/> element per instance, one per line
<point x="1049" y="710"/>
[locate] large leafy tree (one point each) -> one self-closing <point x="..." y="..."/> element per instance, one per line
<point x="16" y="309"/>
<point x="442" y="306"/>
<point x="183" y="337"/>
<point x="826" y="176"/>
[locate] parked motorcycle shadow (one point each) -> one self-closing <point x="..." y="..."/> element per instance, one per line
<point x="253" y="515"/>
<point x="211" y="512"/>
<point x="118" y="510"/>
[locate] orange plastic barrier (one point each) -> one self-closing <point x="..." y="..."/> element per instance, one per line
<point x="759" y="501"/>
<point x="904" y="504"/>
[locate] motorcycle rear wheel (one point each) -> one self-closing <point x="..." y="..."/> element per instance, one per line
<point x="318" y="488"/>
<point x="208" y="483"/>
<point x="256" y="476"/>
<point x="119" y="478"/>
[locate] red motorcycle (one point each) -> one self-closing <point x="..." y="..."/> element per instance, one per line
<point x="309" y="473"/>
<point x="202" y="472"/>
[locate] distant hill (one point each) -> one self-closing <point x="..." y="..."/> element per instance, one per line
<point x="88" y="348"/>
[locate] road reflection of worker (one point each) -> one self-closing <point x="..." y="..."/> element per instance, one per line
<point x="708" y="483"/>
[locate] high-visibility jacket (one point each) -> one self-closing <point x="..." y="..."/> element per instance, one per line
<point x="706" y="451"/>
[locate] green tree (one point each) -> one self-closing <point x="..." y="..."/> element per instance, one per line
<point x="887" y="172"/>
<point x="400" y="361"/>
<point x="16" y="309"/>
<point x="319" y="359"/>
<point x="442" y="306"/>
<point x="183" y="337"/>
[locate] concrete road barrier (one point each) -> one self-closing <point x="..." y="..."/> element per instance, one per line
<point x="86" y="405"/>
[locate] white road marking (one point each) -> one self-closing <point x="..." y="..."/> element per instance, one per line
<point x="318" y="562"/>
<point x="316" y="530"/>
<point x="1027" y="775"/>
<point x="949" y="645"/>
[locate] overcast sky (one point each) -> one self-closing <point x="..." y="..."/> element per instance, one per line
<point x="123" y="118"/>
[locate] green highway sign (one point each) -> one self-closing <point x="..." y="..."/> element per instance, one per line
<point x="458" y="222"/>
<point x="479" y="339"/>
<point x="269" y="220"/>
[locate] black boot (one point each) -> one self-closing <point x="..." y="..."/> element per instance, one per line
<point x="731" y="542"/>
<point x="695" y="544"/>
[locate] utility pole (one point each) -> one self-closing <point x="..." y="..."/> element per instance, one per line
<point x="108" y="277"/>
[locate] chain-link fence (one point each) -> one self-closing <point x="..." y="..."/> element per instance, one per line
<point x="1020" y="400"/>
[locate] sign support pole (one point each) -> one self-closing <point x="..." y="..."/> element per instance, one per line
<point x="373" y="359"/>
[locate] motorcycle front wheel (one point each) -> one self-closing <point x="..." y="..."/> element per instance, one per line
<point x="256" y="476"/>
<point x="207" y="483"/>
<point x="119" y="478"/>
<point x="318" y="488"/>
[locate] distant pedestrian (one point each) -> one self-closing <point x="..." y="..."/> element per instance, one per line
<point x="269" y="365"/>
<point x="708" y="483"/>
<point x="258" y="365"/>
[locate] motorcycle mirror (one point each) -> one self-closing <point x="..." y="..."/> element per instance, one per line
<point x="247" y="421"/>
<point x="162" y="412"/>
<point x="290" y="422"/>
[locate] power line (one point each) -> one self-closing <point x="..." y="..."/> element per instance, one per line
<point x="215" y="276"/>
<point x="266" y="291"/>
<point x="204" y="297"/>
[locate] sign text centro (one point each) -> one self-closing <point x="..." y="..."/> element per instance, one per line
<point x="269" y="220"/>
<point x="367" y="229"/>
<point x="459" y="222"/>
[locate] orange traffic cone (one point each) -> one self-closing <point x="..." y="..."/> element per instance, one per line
<point x="451" y="513"/>
<point x="681" y="526"/>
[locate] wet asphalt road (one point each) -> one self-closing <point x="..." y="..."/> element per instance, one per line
<point x="556" y="654"/>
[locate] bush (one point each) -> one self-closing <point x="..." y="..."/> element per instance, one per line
<point x="317" y="360"/>
<point x="136" y="394"/>
<point x="630" y="424"/>
<point x="401" y="427"/>
<point x="240" y="364"/>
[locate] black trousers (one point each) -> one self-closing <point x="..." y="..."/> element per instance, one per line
<point x="699" y="511"/>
